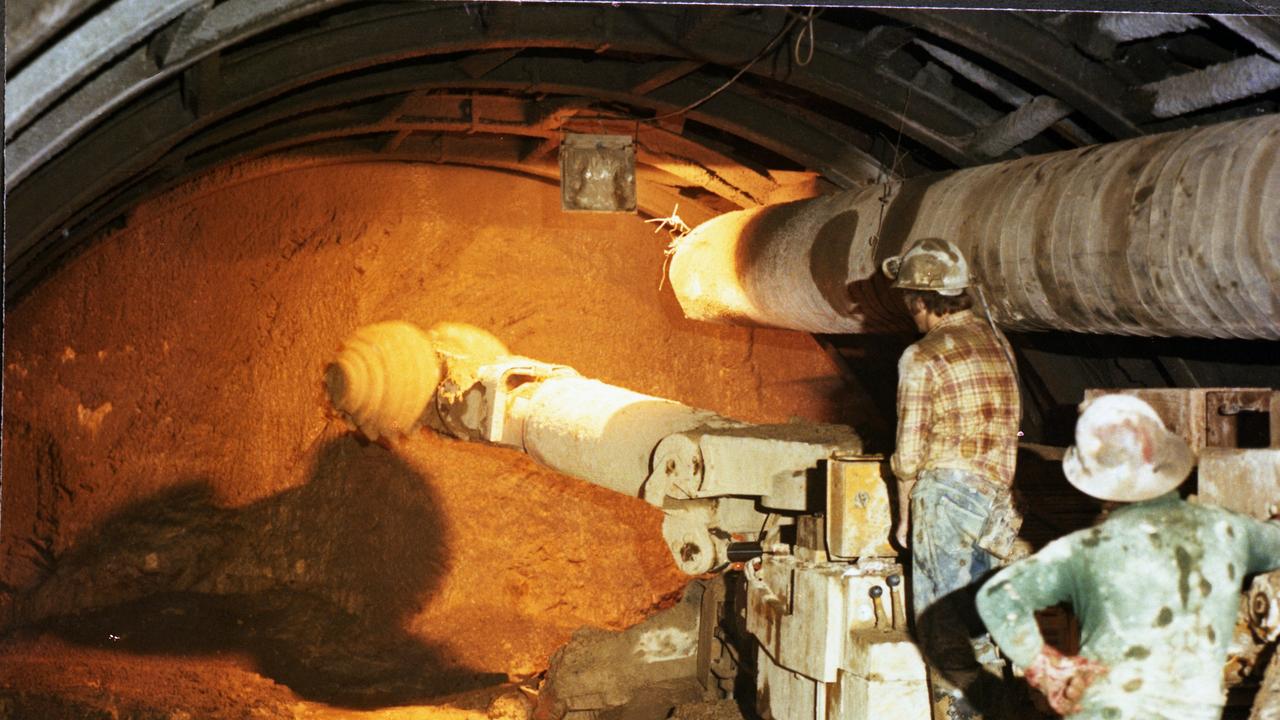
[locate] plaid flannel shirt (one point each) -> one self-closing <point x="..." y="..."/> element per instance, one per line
<point x="958" y="404"/>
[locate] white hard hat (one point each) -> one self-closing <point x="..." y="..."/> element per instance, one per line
<point x="929" y="264"/>
<point x="1123" y="451"/>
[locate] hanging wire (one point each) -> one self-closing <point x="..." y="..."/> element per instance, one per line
<point x="805" y="32"/>
<point x="893" y="169"/>
<point x="794" y="19"/>
<point x="773" y="43"/>
<point x="1001" y="339"/>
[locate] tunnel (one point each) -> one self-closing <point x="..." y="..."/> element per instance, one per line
<point x="205" y="199"/>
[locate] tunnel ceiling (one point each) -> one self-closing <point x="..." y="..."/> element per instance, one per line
<point x="110" y="102"/>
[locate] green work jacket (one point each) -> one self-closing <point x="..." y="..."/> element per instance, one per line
<point x="1157" y="590"/>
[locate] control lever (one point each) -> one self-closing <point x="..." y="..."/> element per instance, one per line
<point x="894" y="599"/>
<point x="877" y="606"/>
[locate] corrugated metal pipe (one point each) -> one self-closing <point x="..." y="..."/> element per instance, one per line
<point x="1168" y="235"/>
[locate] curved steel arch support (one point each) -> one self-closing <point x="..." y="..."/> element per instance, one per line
<point x="133" y="74"/>
<point x="1043" y="59"/>
<point x="881" y="95"/>
<point x="30" y="23"/>
<point x="139" y="139"/>
<point x="104" y="37"/>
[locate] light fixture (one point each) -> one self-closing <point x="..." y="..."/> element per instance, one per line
<point x="598" y="173"/>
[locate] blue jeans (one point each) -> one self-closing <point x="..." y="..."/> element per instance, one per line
<point x="947" y="518"/>
<point x="948" y="515"/>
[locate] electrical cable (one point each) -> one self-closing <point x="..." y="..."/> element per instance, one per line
<point x="1000" y="338"/>
<point x="795" y="18"/>
<point x="806" y="31"/>
<point x="759" y="56"/>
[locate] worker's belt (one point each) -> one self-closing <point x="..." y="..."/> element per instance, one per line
<point x="999" y="534"/>
<point x="988" y="488"/>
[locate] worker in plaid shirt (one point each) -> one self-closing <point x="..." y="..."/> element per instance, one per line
<point x="958" y="413"/>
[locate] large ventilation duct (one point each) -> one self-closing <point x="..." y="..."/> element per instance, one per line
<point x="1175" y="234"/>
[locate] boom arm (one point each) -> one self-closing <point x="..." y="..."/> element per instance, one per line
<point x="716" y="479"/>
<point x="823" y="601"/>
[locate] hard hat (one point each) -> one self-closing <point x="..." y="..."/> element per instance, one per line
<point x="929" y="264"/>
<point x="1124" y="452"/>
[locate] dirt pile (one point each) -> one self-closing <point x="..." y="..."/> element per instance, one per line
<point x="166" y="437"/>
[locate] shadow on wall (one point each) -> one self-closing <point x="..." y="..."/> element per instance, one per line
<point x="315" y="584"/>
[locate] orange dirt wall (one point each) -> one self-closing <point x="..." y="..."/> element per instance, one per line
<point x="187" y="351"/>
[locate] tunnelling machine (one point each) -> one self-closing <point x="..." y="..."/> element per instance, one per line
<point x="818" y="607"/>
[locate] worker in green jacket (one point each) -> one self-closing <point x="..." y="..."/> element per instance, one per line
<point x="1156" y="587"/>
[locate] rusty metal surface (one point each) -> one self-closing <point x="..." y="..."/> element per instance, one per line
<point x="1246" y="481"/>
<point x="1262" y="605"/>
<point x="1225" y="408"/>
<point x="859" y="516"/>
<point x="1208" y="417"/>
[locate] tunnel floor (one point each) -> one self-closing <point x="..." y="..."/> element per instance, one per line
<point x="168" y="659"/>
<point x="203" y="656"/>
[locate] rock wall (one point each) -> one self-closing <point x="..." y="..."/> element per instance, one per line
<point x="166" y="432"/>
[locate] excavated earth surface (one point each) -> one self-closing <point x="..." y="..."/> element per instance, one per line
<point x="189" y="533"/>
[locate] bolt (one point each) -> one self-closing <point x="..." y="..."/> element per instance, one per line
<point x="1261" y="604"/>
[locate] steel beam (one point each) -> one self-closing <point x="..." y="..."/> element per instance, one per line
<point x="379" y="35"/>
<point x="1006" y="91"/>
<point x="29" y="24"/>
<point x="103" y="37"/>
<point x="1036" y="54"/>
<point x="678" y="162"/>
<point x="1264" y="33"/>
<point x="1214" y="85"/>
<point x="136" y="140"/>
<point x="1036" y="116"/>
<point x="663" y="76"/>
<point x="130" y="76"/>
